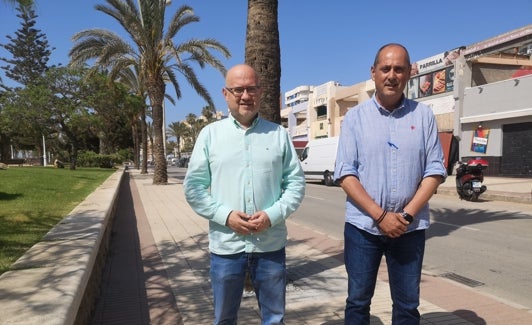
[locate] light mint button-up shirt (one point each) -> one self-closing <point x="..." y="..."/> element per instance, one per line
<point x="250" y="170"/>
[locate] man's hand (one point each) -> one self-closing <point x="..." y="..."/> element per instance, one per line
<point x="260" y="221"/>
<point x="239" y="222"/>
<point x="393" y="225"/>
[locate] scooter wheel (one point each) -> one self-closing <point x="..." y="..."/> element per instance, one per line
<point x="468" y="193"/>
<point x="474" y="197"/>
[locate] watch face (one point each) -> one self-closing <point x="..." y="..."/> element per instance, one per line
<point x="407" y="217"/>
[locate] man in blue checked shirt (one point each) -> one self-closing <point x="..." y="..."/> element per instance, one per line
<point x="389" y="163"/>
<point x="244" y="176"/>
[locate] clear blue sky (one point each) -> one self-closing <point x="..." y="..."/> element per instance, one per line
<point x="321" y="41"/>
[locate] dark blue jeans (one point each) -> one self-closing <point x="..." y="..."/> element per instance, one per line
<point x="404" y="258"/>
<point x="268" y="274"/>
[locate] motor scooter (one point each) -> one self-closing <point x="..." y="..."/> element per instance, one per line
<point x="469" y="178"/>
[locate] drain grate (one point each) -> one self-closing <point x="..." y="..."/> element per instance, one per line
<point x="462" y="279"/>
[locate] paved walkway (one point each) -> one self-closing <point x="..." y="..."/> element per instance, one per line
<point x="157" y="271"/>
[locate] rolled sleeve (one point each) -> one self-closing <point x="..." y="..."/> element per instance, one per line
<point x="435" y="160"/>
<point x="346" y="156"/>
<point x="342" y="169"/>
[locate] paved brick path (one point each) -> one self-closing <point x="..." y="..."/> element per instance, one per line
<point x="157" y="272"/>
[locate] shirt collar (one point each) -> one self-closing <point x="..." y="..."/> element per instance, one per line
<point x="403" y="104"/>
<point x="238" y="125"/>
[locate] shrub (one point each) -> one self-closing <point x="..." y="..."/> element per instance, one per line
<point x="92" y="159"/>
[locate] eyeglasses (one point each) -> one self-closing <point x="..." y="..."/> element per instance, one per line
<point x="239" y="91"/>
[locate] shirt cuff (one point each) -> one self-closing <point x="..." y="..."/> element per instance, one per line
<point x="221" y="215"/>
<point x="274" y="215"/>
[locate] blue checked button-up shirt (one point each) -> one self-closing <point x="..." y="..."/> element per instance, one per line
<point x="232" y="168"/>
<point x="390" y="153"/>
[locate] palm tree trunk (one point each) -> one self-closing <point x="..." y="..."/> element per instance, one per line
<point x="263" y="53"/>
<point x="156" y="90"/>
<point x="136" y="143"/>
<point x="144" y="134"/>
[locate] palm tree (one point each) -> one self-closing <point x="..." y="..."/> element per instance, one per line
<point x="209" y="113"/>
<point x="178" y="130"/>
<point x="131" y="79"/>
<point x="264" y="55"/>
<point x="21" y="2"/>
<point x="195" y="125"/>
<point x="157" y="56"/>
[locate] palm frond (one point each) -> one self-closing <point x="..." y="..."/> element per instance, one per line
<point x="183" y="16"/>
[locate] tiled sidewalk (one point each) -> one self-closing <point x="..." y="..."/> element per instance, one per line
<point x="158" y="272"/>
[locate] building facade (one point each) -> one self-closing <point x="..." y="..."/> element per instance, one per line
<point x="481" y="95"/>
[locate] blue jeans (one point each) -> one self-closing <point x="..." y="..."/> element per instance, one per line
<point x="404" y="258"/>
<point x="268" y="274"/>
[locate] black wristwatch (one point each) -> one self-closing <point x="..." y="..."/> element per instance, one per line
<point x="408" y="217"/>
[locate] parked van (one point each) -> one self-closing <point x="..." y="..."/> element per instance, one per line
<point x="317" y="159"/>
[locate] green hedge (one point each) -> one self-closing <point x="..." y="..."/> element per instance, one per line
<point x="92" y="159"/>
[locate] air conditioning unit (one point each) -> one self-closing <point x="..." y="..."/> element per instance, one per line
<point x="526" y="50"/>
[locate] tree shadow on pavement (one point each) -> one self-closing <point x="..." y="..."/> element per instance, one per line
<point x="445" y="221"/>
<point x="449" y="318"/>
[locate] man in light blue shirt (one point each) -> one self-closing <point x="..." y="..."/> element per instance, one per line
<point x="244" y="176"/>
<point x="390" y="163"/>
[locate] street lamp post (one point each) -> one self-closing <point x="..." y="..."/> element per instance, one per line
<point x="43" y="151"/>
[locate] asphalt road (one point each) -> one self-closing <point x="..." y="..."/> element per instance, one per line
<point x="485" y="245"/>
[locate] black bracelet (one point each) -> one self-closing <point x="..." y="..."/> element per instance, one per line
<point x="382" y="216"/>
